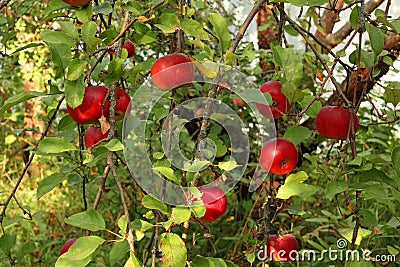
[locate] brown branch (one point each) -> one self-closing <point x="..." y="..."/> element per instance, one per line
<point x="329" y="19"/>
<point x="101" y="187"/>
<point x="334" y="39"/>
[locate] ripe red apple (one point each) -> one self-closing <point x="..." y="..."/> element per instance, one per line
<point x="122" y="104"/>
<point x="93" y="136"/>
<point x="239" y="102"/>
<point x="282" y="247"/>
<point x="280" y="103"/>
<point x="170" y="71"/>
<point x="77" y="2"/>
<point x="67" y="245"/>
<point x="128" y="45"/>
<point x="215" y="201"/>
<point x="334" y="122"/>
<point x="278" y="156"/>
<point x="89" y="111"/>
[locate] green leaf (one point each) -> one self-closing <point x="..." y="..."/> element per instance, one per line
<point x="355" y="13"/>
<point x="196" y="166"/>
<point x="228" y="165"/>
<point x="169" y="173"/>
<point x="308" y="2"/>
<point x="69" y="28"/>
<point x="221" y="31"/>
<point x="201" y="261"/>
<point x="55" y="37"/>
<point x="173" y="250"/>
<point x="31" y="45"/>
<point x="151" y="203"/>
<point x="103" y="8"/>
<point x="114" y="145"/>
<point x="348" y="234"/>
<point x="74" y="91"/>
<point x="115" y="71"/>
<point x="132" y="261"/>
<point x="396" y="159"/>
<point x="84" y="14"/>
<point x="291" y="62"/>
<point x="296" y="189"/>
<point x="299" y="177"/>
<point x="7" y="242"/>
<point x="118" y="252"/>
<point x="297" y="134"/>
<point x="194" y="28"/>
<point x="89" y="29"/>
<point x="19" y="98"/>
<point x="90" y="220"/>
<point x="314" y="108"/>
<point x="367" y="218"/>
<point x="60" y="55"/>
<point x="180" y="214"/>
<point x="334" y="187"/>
<point x="168" y="23"/>
<point x="79" y="254"/>
<point x="52" y="145"/>
<point x="75" y="69"/>
<point x="376" y="38"/>
<point x="392" y="95"/>
<point x="49" y="183"/>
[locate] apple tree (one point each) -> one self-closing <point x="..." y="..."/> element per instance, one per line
<point x="160" y="133"/>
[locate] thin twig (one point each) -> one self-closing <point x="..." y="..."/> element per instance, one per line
<point x="101" y="187"/>
<point x="33" y="152"/>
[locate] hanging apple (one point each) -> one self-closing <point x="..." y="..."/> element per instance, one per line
<point x="171" y="71"/>
<point x="215" y="201"/>
<point x="77" y="2"/>
<point x="67" y="245"/>
<point x="280" y="104"/>
<point x="336" y="122"/>
<point x="93" y="106"/>
<point x="282" y="247"/>
<point x="278" y="156"/>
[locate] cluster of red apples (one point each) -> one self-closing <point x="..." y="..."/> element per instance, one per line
<point x="95" y="106"/>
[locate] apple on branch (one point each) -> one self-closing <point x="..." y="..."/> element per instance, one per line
<point x="280" y="103"/>
<point x="336" y="122"/>
<point x="77" y="2"/>
<point x="282" y="247"/>
<point x="94" y="105"/>
<point x="215" y="202"/>
<point x="67" y="245"/>
<point x="278" y="156"/>
<point x="171" y="71"/>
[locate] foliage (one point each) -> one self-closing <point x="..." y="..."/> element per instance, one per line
<point x="50" y="51"/>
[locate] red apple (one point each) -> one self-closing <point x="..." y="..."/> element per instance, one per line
<point x="282" y="247"/>
<point x="170" y="71"/>
<point x="67" y="245"/>
<point x="239" y="102"/>
<point x="278" y="156"/>
<point x="123" y="101"/>
<point x="89" y="111"/>
<point x="280" y="104"/>
<point x="77" y="2"/>
<point x="93" y="136"/>
<point x="215" y="201"/>
<point x="128" y="45"/>
<point x="334" y="122"/>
